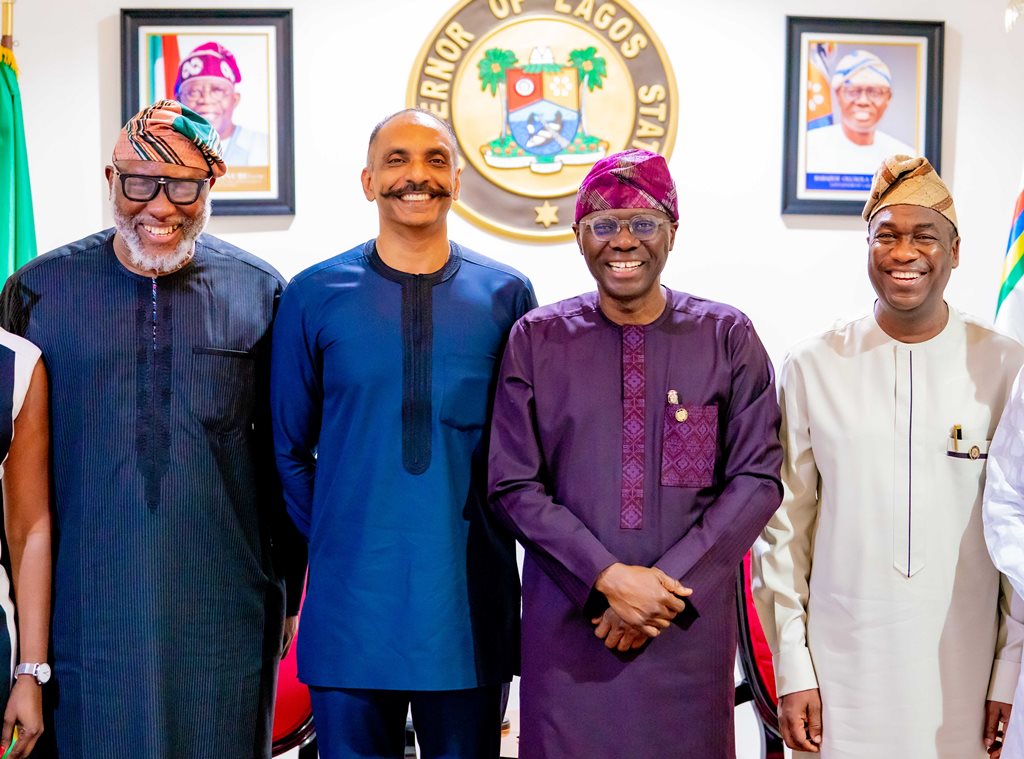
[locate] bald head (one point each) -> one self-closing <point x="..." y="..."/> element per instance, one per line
<point x="414" y="115"/>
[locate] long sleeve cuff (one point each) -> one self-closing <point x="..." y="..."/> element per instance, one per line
<point x="294" y="583"/>
<point x="794" y="671"/>
<point x="1003" y="681"/>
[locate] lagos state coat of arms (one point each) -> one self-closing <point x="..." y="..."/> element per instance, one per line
<point x="536" y="92"/>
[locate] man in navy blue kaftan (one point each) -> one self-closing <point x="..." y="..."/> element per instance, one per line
<point x="172" y="537"/>
<point x="385" y="358"/>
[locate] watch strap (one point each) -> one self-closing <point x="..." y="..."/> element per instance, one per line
<point x="32" y="668"/>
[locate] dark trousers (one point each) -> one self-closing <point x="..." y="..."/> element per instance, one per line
<point x="370" y="724"/>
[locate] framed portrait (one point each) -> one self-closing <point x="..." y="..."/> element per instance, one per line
<point x="857" y="90"/>
<point x="233" y="67"/>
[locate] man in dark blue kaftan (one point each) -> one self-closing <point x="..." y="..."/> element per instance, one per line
<point x="384" y="363"/>
<point x="168" y="592"/>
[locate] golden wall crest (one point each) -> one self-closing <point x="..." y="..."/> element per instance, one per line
<point x="537" y="91"/>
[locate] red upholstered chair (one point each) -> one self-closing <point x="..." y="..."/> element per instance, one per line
<point x="293" y="713"/>
<point x="755" y="656"/>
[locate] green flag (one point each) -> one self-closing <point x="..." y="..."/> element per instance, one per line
<point x="17" y="225"/>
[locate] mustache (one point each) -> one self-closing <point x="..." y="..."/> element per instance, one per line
<point x="408" y="187"/>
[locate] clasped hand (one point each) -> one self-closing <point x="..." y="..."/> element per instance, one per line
<point x="642" y="602"/>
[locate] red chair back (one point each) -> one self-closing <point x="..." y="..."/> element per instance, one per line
<point x="755" y="655"/>
<point x="293" y="712"/>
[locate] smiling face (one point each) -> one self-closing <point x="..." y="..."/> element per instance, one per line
<point x="411" y="173"/>
<point x="912" y="250"/>
<point x="628" y="270"/>
<point x="158" y="236"/>
<point x="862" y="104"/>
<point x="213" y="98"/>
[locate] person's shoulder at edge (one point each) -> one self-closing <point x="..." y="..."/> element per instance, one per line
<point x="584" y="305"/>
<point x="475" y="259"/>
<point x="983" y="331"/>
<point x="219" y="247"/>
<point x="19" y="344"/>
<point x="91" y="243"/>
<point x="328" y="267"/>
<point x="822" y="133"/>
<point x="681" y="303"/>
<point x="696" y="307"/>
<point x="843" y="331"/>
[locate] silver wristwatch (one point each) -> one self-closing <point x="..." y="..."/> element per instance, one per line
<point x="41" y="672"/>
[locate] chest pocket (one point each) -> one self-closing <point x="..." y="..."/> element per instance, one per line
<point x="467" y="388"/>
<point x="967" y="450"/>
<point x="689" y="446"/>
<point x="222" y="391"/>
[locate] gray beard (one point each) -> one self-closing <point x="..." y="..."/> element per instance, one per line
<point x="191" y="228"/>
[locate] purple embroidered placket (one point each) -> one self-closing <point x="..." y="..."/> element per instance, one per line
<point x="631" y="513"/>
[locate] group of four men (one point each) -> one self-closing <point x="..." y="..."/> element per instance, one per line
<point x="630" y="441"/>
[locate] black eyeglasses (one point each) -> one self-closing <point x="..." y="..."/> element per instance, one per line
<point x="642" y="227"/>
<point x="142" y="188"/>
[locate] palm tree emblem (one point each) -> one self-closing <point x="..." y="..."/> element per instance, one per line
<point x="592" y="70"/>
<point x="541" y="108"/>
<point x="492" y="68"/>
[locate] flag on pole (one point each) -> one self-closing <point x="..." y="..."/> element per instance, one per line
<point x="819" y="91"/>
<point x="17" y="225"/>
<point x="163" y="59"/>
<point x="1010" y="306"/>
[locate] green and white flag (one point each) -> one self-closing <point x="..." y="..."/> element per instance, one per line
<point x="17" y="225"/>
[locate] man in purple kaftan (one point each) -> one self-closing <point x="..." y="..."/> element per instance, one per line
<point x="634" y="451"/>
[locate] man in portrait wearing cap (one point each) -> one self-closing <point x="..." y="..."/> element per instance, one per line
<point x="635" y="454"/>
<point x="385" y="359"/>
<point x="862" y="88"/>
<point x="172" y="539"/>
<point x="206" y="83"/>
<point x="893" y="634"/>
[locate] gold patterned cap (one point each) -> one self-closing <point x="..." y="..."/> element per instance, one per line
<point x="902" y="180"/>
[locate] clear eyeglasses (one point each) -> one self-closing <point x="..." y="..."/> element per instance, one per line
<point x="856" y="92"/>
<point x="642" y="227"/>
<point x="193" y="92"/>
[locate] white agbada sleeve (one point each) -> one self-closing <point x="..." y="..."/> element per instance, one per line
<point x="781" y="560"/>
<point x="1003" y="518"/>
<point x="1009" y="645"/>
<point x="1003" y="507"/>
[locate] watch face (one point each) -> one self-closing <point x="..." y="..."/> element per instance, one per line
<point x="43" y="673"/>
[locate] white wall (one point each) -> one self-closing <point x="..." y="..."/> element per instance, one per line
<point x="794" y="275"/>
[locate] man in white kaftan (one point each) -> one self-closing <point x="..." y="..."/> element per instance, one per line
<point x="1003" y="516"/>
<point x="891" y="630"/>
